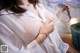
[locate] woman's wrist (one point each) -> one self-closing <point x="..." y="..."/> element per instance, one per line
<point x="41" y="37"/>
<point x="44" y="33"/>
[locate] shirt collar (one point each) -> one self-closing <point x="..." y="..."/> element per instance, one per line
<point x="3" y="12"/>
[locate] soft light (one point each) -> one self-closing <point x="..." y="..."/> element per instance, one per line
<point x="73" y="21"/>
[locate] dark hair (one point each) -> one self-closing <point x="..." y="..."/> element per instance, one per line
<point x="12" y="5"/>
<point x="34" y="2"/>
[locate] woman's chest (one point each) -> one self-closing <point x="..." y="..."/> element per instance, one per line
<point x="31" y="27"/>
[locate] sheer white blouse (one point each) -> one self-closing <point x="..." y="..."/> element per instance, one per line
<point x="19" y="31"/>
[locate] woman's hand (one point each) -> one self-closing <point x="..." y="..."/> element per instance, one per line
<point x="45" y="30"/>
<point x="47" y="27"/>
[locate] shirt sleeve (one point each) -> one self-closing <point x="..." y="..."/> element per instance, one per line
<point x="61" y="45"/>
<point x="5" y="39"/>
<point x="33" y="47"/>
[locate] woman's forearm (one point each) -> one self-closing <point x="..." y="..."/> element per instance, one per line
<point x="41" y="38"/>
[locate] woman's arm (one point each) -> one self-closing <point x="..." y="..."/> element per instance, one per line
<point x="5" y="39"/>
<point x="45" y="30"/>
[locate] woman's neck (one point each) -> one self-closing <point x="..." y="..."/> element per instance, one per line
<point x="31" y="6"/>
<point x="34" y="10"/>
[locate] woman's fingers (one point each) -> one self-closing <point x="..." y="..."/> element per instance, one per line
<point x="49" y="21"/>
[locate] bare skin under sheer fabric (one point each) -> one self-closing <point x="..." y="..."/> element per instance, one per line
<point x="19" y="31"/>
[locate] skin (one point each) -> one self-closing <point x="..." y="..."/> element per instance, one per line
<point x="46" y="27"/>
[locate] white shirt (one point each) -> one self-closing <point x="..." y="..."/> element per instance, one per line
<point x="18" y="31"/>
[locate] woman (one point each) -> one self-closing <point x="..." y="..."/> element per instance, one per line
<point x="23" y="33"/>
